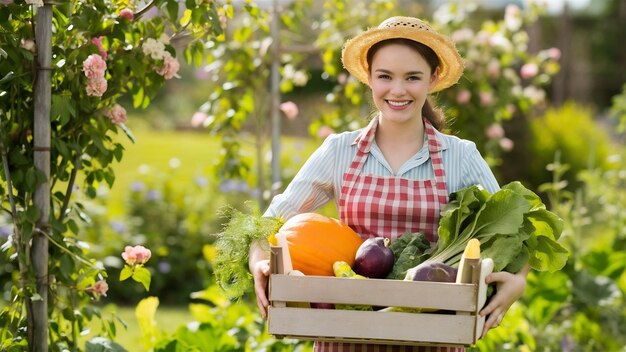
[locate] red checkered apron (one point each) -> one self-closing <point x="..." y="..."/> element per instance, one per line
<point x="376" y="206"/>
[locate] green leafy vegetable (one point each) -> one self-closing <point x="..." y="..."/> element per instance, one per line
<point x="408" y="251"/>
<point x="513" y="226"/>
<point x="230" y="265"/>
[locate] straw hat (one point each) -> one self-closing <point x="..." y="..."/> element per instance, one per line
<point x="354" y="54"/>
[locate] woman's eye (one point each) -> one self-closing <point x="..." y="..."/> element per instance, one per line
<point x="413" y="78"/>
<point x="384" y="76"/>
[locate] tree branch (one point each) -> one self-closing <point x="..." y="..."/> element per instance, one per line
<point x="145" y="9"/>
<point x="70" y="187"/>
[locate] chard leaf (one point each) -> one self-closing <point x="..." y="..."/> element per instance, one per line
<point x="459" y="212"/>
<point x="503" y="213"/>
<point x="519" y="262"/>
<point x="534" y="199"/>
<point x="546" y="254"/>
<point x="503" y="249"/>
<point x="547" y="219"/>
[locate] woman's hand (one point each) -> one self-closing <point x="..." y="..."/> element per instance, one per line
<point x="509" y="288"/>
<point x="260" y="272"/>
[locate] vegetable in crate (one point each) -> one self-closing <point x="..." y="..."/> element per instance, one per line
<point x="316" y="241"/>
<point x="230" y="265"/>
<point x="409" y="250"/>
<point x="436" y="272"/>
<point x="513" y="227"/>
<point x="343" y="269"/>
<point x="374" y="258"/>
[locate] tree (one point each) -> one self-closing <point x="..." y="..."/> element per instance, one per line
<point x="98" y="53"/>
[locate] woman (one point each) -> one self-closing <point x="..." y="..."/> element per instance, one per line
<point x="396" y="174"/>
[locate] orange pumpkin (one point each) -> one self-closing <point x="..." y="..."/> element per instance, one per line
<point x="316" y="241"/>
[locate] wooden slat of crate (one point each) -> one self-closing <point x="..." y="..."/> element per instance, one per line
<point x="372" y="327"/>
<point x="385" y="293"/>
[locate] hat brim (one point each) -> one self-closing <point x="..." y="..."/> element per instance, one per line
<point x="354" y="53"/>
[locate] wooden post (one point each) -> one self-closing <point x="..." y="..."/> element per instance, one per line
<point x="275" y="100"/>
<point x="39" y="251"/>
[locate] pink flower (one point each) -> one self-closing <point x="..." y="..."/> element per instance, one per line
<point x="529" y="70"/>
<point x="136" y="255"/>
<point x="495" y="131"/>
<point x="127" y="14"/>
<point x="486" y="98"/>
<point x="100" y="288"/>
<point x="325" y="131"/>
<point x="96" y="87"/>
<point x="554" y="53"/>
<point x="97" y="41"/>
<point x="463" y="97"/>
<point x="198" y="118"/>
<point x="493" y="68"/>
<point x="290" y="109"/>
<point x="117" y="114"/>
<point x="170" y="66"/>
<point x="94" y="66"/>
<point x="462" y="35"/>
<point x="506" y="144"/>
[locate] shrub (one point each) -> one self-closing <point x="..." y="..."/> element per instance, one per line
<point x="572" y="132"/>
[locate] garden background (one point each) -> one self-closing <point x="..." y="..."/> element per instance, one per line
<point x="182" y="127"/>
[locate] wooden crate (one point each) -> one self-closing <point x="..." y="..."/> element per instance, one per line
<point x="452" y="317"/>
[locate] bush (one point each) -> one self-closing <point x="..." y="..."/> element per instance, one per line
<point x="572" y="132"/>
<point x="172" y="217"/>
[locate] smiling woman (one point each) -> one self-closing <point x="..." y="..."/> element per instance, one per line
<point x="394" y="176"/>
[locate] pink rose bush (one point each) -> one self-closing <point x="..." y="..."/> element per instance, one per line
<point x="94" y="68"/>
<point x="137" y="255"/>
<point x="155" y="49"/>
<point x="502" y="78"/>
<point x="135" y="258"/>
<point x="170" y="66"/>
<point x="117" y="114"/>
<point x="99" y="288"/>
<point x="127" y="14"/>
<point x="290" y="109"/>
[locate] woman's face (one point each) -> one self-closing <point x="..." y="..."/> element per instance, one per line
<point x="400" y="79"/>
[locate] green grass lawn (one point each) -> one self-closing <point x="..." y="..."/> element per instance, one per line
<point x="188" y="154"/>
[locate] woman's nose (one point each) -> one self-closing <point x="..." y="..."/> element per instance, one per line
<point x="397" y="87"/>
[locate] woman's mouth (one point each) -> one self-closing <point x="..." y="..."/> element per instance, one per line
<point x="398" y="104"/>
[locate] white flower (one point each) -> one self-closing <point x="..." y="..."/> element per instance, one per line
<point x="513" y="18"/>
<point x="165" y="39"/>
<point x="153" y="48"/>
<point x="300" y="78"/>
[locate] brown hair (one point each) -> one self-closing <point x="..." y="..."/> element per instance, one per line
<point x="433" y="113"/>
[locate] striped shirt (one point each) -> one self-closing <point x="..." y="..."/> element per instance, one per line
<point x="320" y="179"/>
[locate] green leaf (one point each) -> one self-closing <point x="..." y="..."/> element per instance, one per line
<point x="547" y="255"/>
<point x="138" y="98"/>
<point x="142" y="275"/>
<point x="184" y="20"/>
<point x="503" y="213"/>
<point x="145" y="313"/>
<point x="503" y="249"/>
<point x="126" y="273"/>
<point x="172" y="10"/>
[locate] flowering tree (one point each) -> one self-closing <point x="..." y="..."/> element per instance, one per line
<point x="105" y="54"/>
